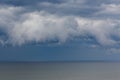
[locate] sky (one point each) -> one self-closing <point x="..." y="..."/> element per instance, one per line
<point x="59" y="30"/>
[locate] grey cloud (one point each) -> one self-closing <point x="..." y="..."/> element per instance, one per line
<point x="22" y="26"/>
<point x="71" y="7"/>
<point x="112" y="51"/>
<point x="84" y="8"/>
<point x="109" y="9"/>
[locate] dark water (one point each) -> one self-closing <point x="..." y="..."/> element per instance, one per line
<point x="60" y="71"/>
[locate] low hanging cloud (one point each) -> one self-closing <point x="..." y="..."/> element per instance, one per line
<point x="19" y="26"/>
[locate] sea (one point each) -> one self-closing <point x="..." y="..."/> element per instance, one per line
<point x="60" y="71"/>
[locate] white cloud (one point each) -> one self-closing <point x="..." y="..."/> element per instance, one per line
<point x="40" y="26"/>
<point x="8" y="16"/>
<point x="101" y="29"/>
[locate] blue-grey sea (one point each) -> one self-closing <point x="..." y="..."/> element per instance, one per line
<point x="60" y="71"/>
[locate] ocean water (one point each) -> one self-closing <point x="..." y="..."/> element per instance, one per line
<point x="60" y="71"/>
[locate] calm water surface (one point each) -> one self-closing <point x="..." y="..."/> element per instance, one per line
<point x="60" y="71"/>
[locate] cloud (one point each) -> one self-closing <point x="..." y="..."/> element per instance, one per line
<point x="19" y="25"/>
<point x="41" y="27"/>
<point x="70" y="7"/>
<point x="102" y="30"/>
<point x="112" y="51"/>
<point x="83" y="8"/>
<point x="8" y="17"/>
<point x="111" y="9"/>
<point x="37" y="26"/>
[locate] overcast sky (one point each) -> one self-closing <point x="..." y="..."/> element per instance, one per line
<point x="59" y="30"/>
